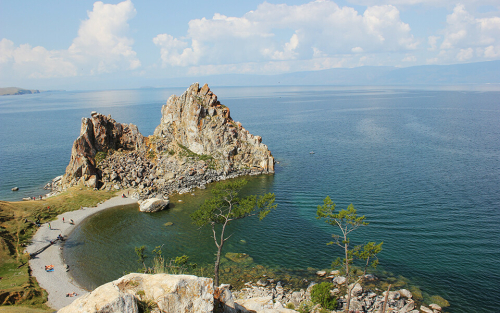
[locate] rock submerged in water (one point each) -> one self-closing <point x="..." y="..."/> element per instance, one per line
<point x="15" y="189"/>
<point x="239" y="257"/>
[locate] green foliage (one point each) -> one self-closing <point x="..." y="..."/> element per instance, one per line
<point x="146" y="306"/>
<point x="320" y="294"/>
<point x="186" y="152"/>
<point x="140" y="293"/>
<point x="151" y="154"/>
<point x="100" y="156"/>
<point x="290" y="306"/>
<point x="346" y="220"/>
<point x="367" y="252"/>
<point x="225" y="206"/>
<point x="177" y="265"/>
<point x="306" y="307"/>
<point x="139" y="251"/>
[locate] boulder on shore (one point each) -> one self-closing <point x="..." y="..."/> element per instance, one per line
<point x="153" y="205"/>
<point x="170" y="293"/>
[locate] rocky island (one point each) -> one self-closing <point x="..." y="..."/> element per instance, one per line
<point x="196" y="143"/>
<point x="14" y="91"/>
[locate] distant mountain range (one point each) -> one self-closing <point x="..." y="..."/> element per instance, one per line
<point x="470" y="73"/>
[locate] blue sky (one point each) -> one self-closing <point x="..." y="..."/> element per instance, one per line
<point x="56" y="44"/>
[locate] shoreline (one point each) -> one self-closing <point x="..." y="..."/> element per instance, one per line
<point x="59" y="282"/>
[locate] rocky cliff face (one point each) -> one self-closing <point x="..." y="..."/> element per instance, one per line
<point x="202" y="124"/>
<point x="98" y="134"/>
<point x="197" y="142"/>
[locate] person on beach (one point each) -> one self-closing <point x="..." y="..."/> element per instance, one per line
<point x="50" y="227"/>
<point x="71" y="222"/>
<point x="63" y="219"/>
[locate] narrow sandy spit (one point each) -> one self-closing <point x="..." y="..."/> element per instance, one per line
<point x="59" y="282"/>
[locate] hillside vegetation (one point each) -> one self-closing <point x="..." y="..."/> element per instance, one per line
<point x="17" y="286"/>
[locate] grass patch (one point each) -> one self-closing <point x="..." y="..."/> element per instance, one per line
<point x="190" y="154"/>
<point x="17" y="286"/>
<point x="99" y="157"/>
<point x="23" y="309"/>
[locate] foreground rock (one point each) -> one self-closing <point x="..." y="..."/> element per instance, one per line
<point x="135" y="293"/>
<point x="196" y="143"/>
<point x="162" y="292"/>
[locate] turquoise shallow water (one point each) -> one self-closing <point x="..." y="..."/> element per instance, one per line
<point x="422" y="165"/>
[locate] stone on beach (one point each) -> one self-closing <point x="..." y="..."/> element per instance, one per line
<point x="153" y="205"/>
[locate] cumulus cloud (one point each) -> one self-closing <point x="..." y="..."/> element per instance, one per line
<point x="431" y="3"/>
<point x="34" y="62"/>
<point x="102" y="37"/>
<point x="467" y="38"/>
<point x="291" y="33"/>
<point x="100" y="47"/>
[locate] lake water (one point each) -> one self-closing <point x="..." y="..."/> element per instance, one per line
<point x="423" y="165"/>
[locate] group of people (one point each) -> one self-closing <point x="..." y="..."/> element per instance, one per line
<point x="49" y="268"/>
<point x="40" y="197"/>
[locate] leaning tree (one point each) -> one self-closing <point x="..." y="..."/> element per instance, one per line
<point x="226" y="206"/>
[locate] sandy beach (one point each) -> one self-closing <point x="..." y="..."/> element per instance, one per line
<point x="59" y="282"/>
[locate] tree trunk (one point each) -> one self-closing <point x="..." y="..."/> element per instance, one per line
<point x="216" y="267"/>
<point x="347" y="276"/>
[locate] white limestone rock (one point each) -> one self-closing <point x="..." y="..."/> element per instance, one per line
<point x="170" y="293"/>
<point x="153" y="205"/>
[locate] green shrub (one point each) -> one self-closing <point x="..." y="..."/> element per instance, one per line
<point x="320" y="294"/>
<point x="306" y="307"/>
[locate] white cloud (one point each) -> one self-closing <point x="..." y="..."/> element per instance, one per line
<point x="465" y="54"/>
<point x="492" y="52"/>
<point x="431" y="3"/>
<point x="319" y="29"/>
<point x="432" y="40"/>
<point x="102" y="38"/>
<point x="100" y="47"/>
<point x="35" y="62"/>
<point x="465" y="33"/>
<point x="175" y="52"/>
<point x="410" y="58"/>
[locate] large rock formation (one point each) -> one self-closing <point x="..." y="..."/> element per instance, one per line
<point x="197" y="142"/>
<point x="197" y="121"/>
<point x="98" y="134"/>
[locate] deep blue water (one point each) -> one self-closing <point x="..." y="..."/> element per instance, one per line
<point x="422" y="165"/>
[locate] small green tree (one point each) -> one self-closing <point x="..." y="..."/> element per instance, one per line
<point x="367" y="252"/>
<point x="225" y="206"/>
<point x="347" y="220"/>
<point x="141" y="257"/>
